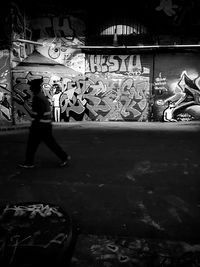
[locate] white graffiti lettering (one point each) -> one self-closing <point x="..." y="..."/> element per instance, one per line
<point x="35" y="209"/>
<point x="114" y="63"/>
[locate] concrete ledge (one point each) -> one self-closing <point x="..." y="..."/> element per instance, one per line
<point x="192" y="126"/>
<point x="14" y="127"/>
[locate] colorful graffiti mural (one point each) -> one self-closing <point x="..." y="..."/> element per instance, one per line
<point x="182" y="102"/>
<point x="118" y="91"/>
<point x="5" y="90"/>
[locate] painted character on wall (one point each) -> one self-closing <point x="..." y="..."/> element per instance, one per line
<point x="57" y="90"/>
<point x="56" y="103"/>
<point x="169" y="112"/>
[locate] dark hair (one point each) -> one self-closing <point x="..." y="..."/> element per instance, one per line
<point x="35" y="85"/>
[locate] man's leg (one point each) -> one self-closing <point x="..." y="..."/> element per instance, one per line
<point x="32" y="144"/>
<point x="50" y="141"/>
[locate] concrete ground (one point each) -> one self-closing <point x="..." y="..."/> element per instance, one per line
<point x="133" y="179"/>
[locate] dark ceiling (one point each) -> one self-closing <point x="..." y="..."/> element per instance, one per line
<point x="100" y="7"/>
<point x="160" y="16"/>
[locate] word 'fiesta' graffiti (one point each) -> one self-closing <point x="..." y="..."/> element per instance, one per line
<point x="115" y="63"/>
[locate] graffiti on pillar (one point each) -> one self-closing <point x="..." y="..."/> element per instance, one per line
<point x="5" y="93"/>
<point x="183" y="101"/>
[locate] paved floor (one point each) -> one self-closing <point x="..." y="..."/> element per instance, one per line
<point x="127" y="179"/>
<point x="118" y="251"/>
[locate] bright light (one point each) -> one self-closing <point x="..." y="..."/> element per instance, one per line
<point x="122" y="29"/>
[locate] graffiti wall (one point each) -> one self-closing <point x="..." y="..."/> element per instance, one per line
<point x="5" y="89"/>
<point x="120" y="87"/>
<point x="176" y="87"/>
<point x="112" y="87"/>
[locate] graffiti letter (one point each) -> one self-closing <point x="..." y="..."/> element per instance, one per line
<point x="114" y="64"/>
<point x="103" y="64"/>
<point x="134" y="63"/>
<point x="95" y="63"/>
<point x="123" y="64"/>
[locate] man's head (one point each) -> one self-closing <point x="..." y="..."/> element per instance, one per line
<point x="35" y="85"/>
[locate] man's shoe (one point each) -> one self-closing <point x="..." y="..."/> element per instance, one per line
<point x="26" y="166"/>
<point x="65" y="162"/>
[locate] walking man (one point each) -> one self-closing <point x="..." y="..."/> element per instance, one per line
<point x="41" y="128"/>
